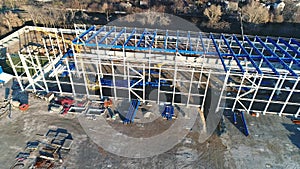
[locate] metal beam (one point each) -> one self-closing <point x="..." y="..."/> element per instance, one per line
<point x="118" y="36"/>
<point x="233" y="54"/>
<point x="262" y="56"/>
<point x="83" y="34"/>
<point x="247" y="55"/>
<point x="275" y="55"/>
<point x="153" y="39"/>
<point x="203" y="46"/>
<point x="177" y="39"/>
<point x="130" y="36"/>
<point x="95" y="34"/>
<point x="289" y="46"/>
<point x="166" y="41"/>
<point x="295" y="42"/>
<point x="219" y="53"/>
<point x="283" y="51"/>
<point x="141" y="38"/>
<point x="106" y="35"/>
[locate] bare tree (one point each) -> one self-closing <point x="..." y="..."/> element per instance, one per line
<point x="107" y="9"/>
<point x="11" y="20"/>
<point x="213" y="13"/>
<point x="276" y="16"/>
<point x="254" y="12"/>
<point x="296" y="16"/>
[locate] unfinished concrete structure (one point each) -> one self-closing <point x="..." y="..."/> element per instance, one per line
<point x="253" y="74"/>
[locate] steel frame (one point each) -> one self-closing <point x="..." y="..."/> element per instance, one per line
<point x="261" y="73"/>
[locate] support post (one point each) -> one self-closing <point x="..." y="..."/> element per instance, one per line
<point x="114" y="79"/>
<point x="205" y="92"/>
<point x="223" y="89"/>
<point x="15" y="71"/>
<point x="190" y="88"/>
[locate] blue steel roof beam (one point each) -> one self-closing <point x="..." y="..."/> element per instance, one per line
<point x="219" y="53"/>
<point x="189" y="42"/>
<point x="118" y="36"/>
<point x="177" y="36"/>
<point x="295" y="42"/>
<point x="283" y="51"/>
<point x="275" y="55"/>
<point x="233" y="54"/>
<point x="202" y="43"/>
<point x="191" y="45"/>
<point x="289" y="46"/>
<point x="141" y="38"/>
<point x="130" y="36"/>
<point x="263" y="57"/>
<point x="247" y="55"/>
<point x="83" y="34"/>
<point x="106" y="35"/>
<point x="95" y="34"/>
<point x="166" y="40"/>
<point x="153" y="39"/>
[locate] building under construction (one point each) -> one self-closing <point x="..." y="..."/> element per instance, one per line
<point x="247" y="73"/>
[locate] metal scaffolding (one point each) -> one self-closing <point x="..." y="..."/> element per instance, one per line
<point x="257" y="74"/>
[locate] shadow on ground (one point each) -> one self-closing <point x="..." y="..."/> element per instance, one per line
<point x="294" y="133"/>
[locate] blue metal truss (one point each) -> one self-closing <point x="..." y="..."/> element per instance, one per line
<point x="295" y="42"/>
<point x="247" y="55"/>
<point x="203" y="46"/>
<point x="262" y="56"/>
<point x="283" y="51"/>
<point x="276" y="57"/>
<point x="129" y="37"/>
<point x="177" y="39"/>
<point x="289" y="46"/>
<point x="219" y="53"/>
<point x="95" y="34"/>
<point x="279" y="52"/>
<point x="233" y="54"/>
<point x="142" y="38"/>
<point x="106" y="35"/>
<point x="84" y="33"/>
<point x="153" y="39"/>
<point x="118" y="36"/>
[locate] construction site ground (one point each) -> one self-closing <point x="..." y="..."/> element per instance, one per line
<point x="274" y="142"/>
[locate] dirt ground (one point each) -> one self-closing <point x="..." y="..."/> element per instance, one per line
<point x="274" y="142"/>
